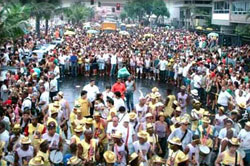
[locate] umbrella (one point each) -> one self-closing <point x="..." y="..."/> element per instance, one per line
<point x="123" y="73"/>
<point x="199" y="28"/>
<point x="123" y="33"/>
<point x="213" y="34"/>
<point x="69" y="33"/>
<point x="92" y="31"/>
<point x="149" y="35"/>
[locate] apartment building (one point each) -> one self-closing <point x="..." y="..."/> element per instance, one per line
<point x="230" y="13"/>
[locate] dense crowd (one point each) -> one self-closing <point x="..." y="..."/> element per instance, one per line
<point x="205" y="123"/>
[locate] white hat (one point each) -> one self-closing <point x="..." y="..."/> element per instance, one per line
<point x="194" y="92"/>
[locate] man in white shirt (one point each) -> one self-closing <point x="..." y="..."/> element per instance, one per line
<point x="223" y="98"/>
<point x="107" y="93"/>
<point x="44" y="98"/>
<point x="118" y="101"/>
<point x="244" y="137"/>
<point x="113" y="64"/>
<point x="128" y="134"/>
<point x="113" y="127"/>
<point x="228" y="126"/>
<point x="4" y="91"/>
<point x="162" y="66"/>
<point x="53" y="87"/>
<point x="26" y="101"/>
<point x="92" y="91"/>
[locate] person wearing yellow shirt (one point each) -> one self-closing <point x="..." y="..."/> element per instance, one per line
<point x="153" y="139"/>
<point x="100" y="126"/>
<point x="34" y="127"/>
<point x="80" y="63"/>
<point x="2" y="162"/>
<point x="169" y="103"/>
<point x="76" y="138"/>
<point x="231" y="156"/>
<point x="88" y="148"/>
<point x="44" y="152"/>
<point x="196" y="114"/>
<point x="176" y="155"/>
<point x="84" y="104"/>
<point x="73" y="115"/>
<point x="80" y="120"/>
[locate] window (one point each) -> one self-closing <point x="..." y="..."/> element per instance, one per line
<point x="240" y="7"/>
<point x="221" y="7"/>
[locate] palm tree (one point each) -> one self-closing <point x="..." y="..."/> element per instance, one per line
<point x="13" y="20"/>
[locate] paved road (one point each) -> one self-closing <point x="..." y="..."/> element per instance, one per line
<point x="72" y="86"/>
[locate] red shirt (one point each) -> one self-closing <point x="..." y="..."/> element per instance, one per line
<point x="119" y="87"/>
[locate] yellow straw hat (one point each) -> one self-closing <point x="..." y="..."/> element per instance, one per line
<point x="222" y="109"/>
<point x="242" y="105"/>
<point x="148" y="115"/>
<point x="74" y="161"/>
<point x="36" y="161"/>
<point x="89" y="121"/>
<point x="181" y="157"/>
<point x="117" y="134"/>
<point x="109" y="157"/>
<point x="53" y="110"/>
<point x="132" y="157"/>
<point x="143" y="134"/>
<point x="184" y="121"/>
<point x="161" y="114"/>
<point x="56" y="104"/>
<point x="149" y="125"/>
<point x="78" y="129"/>
<point x="206" y="120"/>
<point x="175" y="141"/>
<point x="25" y="140"/>
<point x="178" y="109"/>
<point x="248" y="123"/>
<point x="60" y="94"/>
<point x="16" y="127"/>
<point x="158" y="159"/>
<point x="155" y="89"/>
<point x="235" y="141"/>
<point x="132" y="115"/>
<point x="97" y="114"/>
<point x="175" y="102"/>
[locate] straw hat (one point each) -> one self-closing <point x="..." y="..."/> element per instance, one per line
<point x="16" y="127"/>
<point x="89" y="121"/>
<point x="175" y="141"/>
<point x="143" y="134"/>
<point x="181" y="157"/>
<point x="36" y="161"/>
<point x="97" y="114"/>
<point x="206" y="120"/>
<point x="235" y="111"/>
<point x="153" y="96"/>
<point x="183" y="87"/>
<point x="117" y="134"/>
<point x="242" y="105"/>
<point x="78" y="111"/>
<point x="194" y="92"/>
<point x="178" y="109"/>
<point x="132" y="157"/>
<point x="234" y="141"/>
<point x="60" y="94"/>
<point x="222" y="109"/>
<point x="157" y="94"/>
<point x="148" y="115"/>
<point x="109" y="157"/>
<point x="175" y="102"/>
<point x="56" y="104"/>
<point x="185" y="121"/>
<point x="155" y="89"/>
<point x="206" y="113"/>
<point x="161" y="114"/>
<point x="149" y="125"/>
<point x="53" y="110"/>
<point x="248" y="123"/>
<point x="78" y="129"/>
<point x="132" y="115"/>
<point x="25" y="140"/>
<point x="158" y="159"/>
<point x="74" y="161"/>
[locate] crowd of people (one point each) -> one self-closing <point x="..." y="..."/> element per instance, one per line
<point x="205" y="123"/>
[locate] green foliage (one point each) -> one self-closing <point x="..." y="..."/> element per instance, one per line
<point x="243" y="30"/>
<point x="13" y="20"/>
<point x="123" y="15"/>
<point x="140" y="8"/>
<point x="78" y="13"/>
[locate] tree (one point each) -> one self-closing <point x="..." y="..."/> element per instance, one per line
<point x="78" y="13"/>
<point x="243" y="30"/>
<point x="160" y="9"/>
<point x="13" y="20"/>
<point x="123" y="16"/>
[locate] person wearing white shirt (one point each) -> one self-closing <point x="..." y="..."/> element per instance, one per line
<point x="92" y="90"/>
<point x="118" y="101"/>
<point x="128" y="134"/>
<point x="244" y="137"/>
<point x="107" y="93"/>
<point x="44" y="98"/>
<point x="113" y="64"/>
<point x="162" y="67"/>
<point x="4" y="91"/>
<point x="228" y="125"/>
<point x="53" y="87"/>
<point x="26" y="101"/>
<point x="112" y="127"/>
<point x="224" y="98"/>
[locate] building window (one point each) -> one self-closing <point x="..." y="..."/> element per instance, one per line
<point x="221" y="7"/>
<point x="240" y="7"/>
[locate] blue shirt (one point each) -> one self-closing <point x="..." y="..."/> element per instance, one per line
<point x="73" y="59"/>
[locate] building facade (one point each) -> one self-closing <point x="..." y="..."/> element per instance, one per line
<point x="229" y="14"/>
<point x="189" y="13"/>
